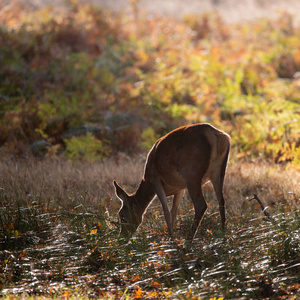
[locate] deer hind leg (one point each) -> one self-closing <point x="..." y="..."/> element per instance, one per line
<point x="200" y="206"/>
<point x="163" y="200"/>
<point x="176" y="201"/>
<point x="218" y="181"/>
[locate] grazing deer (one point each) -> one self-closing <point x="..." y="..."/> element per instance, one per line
<point x="187" y="157"/>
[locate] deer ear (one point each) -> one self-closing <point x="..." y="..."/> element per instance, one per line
<point x="120" y="192"/>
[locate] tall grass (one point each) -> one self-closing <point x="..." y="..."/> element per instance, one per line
<point x="59" y="232"/>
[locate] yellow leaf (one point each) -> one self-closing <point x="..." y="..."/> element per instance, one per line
<point x="154" y="294"/>
<point x="93" y="231"/>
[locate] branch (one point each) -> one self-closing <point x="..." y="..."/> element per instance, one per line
<point x="264" y="209"/>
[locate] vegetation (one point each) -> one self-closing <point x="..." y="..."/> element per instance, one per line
<point x="128" y="80"/>
<point x="83" y="92"/>
<point x="59" y="236"/>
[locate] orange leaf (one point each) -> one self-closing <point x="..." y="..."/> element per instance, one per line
<point x="93" y="231"/>
<point x="66" y="295"/>
<point x="138" y="293"/>
<point x="155" y="284"/>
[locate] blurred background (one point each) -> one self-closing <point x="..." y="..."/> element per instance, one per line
<point x="230" y="10"/>
<point x="90" y="79"/>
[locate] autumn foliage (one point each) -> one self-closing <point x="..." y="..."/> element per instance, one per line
<point x="89" y="83"/>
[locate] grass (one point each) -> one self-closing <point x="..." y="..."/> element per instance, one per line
<point x="59" y="236"/>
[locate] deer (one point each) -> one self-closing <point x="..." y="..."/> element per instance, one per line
<point x="185" y="158"/>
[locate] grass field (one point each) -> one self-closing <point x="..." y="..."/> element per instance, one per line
<point x="59" y="235"/>
<point x="84" y="94"/>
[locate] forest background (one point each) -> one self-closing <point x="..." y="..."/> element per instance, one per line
<point x="84" y="94"/>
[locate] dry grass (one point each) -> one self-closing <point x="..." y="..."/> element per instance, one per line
<point x="56" y="234"/>
<point x="278" y="186"/>
<point x="63" y="184"/>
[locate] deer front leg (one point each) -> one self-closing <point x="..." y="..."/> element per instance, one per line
<point x="176" y="201"/>
<point x="163" y="200"/>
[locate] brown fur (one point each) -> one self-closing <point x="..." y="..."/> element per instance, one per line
<point x="185" y="158"/>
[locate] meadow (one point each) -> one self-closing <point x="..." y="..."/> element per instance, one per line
<point x="84" y="93"/>
<point x="60" y="236"/>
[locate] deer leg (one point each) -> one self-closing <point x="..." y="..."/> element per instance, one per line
<point x="200" y="207"/>
<point x="218" y="187"/>
<point x="163" y="200"/>
<point x="176" y="201"/>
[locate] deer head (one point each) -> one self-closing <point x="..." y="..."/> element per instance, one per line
<point x="130" y="216"/>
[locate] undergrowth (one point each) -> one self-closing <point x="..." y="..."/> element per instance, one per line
<point x="88" y="83"/>
<point x="57" y="240"/>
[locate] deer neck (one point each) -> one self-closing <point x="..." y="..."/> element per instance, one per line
<point x="144" y="195"/>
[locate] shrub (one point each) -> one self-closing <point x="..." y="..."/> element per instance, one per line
<point x="86" y="148"/>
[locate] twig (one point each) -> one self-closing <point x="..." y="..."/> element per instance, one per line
<point x="263" y="208"/>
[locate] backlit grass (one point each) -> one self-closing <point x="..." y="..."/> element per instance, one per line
<point x="57" y="236"/>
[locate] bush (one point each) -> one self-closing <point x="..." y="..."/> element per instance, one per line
<point x="89" y="66"/>
<point x="86" y="148"/>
